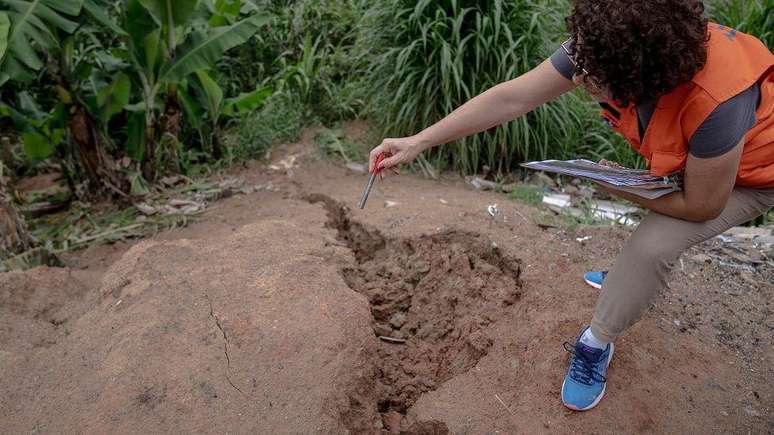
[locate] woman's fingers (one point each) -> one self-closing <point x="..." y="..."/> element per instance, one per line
<point x="394" y="152"/>
<point x="609" y="163"/>
<point x="391" y="161"/>
<point x="373" y="156"/>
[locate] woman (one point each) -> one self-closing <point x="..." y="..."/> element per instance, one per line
<point x="689" y="96"/>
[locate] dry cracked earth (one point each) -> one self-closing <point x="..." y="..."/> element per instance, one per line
<point x="286" y="311"/>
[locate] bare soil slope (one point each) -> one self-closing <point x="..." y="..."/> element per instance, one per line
<point x="266" y="317"/>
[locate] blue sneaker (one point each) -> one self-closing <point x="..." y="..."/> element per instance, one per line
<point x="595" y="279"/>
<point x="584" y="383"/>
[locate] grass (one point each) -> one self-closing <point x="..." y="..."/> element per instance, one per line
<point x="527" y="193"/>
<point x="339" y="60"/>
<point x="439" y="54"/>
<point x="280" y="119"/>
<point x="753" y="17"/>
<point x="82" y="226"/>
<point x="335" y="143"/>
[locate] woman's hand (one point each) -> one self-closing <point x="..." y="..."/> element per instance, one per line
<point x="396" y="151"/>
<point x="610" y="163"/>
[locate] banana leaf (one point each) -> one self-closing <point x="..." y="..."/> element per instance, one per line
<point x="202" y="50"/>
<point x="38" y="21"/>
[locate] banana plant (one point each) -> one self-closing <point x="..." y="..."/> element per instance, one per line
<point x="24" y="23"/>
<point x="31" y="31"/>
<point x="165" y="47"/>
<point x="203" y="103"/>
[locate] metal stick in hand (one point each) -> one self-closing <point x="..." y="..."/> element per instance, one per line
<point x="370" y="183"/>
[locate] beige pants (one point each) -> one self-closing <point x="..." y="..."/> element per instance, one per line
<point x="641" y="269"/>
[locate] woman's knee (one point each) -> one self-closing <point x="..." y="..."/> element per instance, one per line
<point x="654" y="248"/>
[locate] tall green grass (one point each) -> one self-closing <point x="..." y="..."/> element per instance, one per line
<point x="306" y="52"/>
<point x="753" y="17"/>
<point x="409" y="63"/>
<point x="426" y="58"/>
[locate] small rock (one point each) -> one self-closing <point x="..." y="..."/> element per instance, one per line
<point x="557" y="200"/>
<point x="575" y="182"/>
<point x="586" y="192"/>
<point x="398" y="319"/>
<point x="145" y="208"/>
<point x="443" y="201"/>
<point x="388" y="204"/>
<point x="748" y="232"/>
<point x="739" y="257"/>
<point x="171" y="180"/>
<point x="508" y="188"/>
<point x="544" y="180"/>
<point x="481" y="184"/>
<point x="702" y="258"/>
<point x="422" y="267"/>
<point x="392" y="421"/>
<point x="748" y="278"/>
<point x="764" y="242"/>
<point x="570" y="189"/>
<point x="382" y="329"/>
<point x="751" y="412"/>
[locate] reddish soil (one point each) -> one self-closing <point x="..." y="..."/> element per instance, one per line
<point x="289" y="312"/>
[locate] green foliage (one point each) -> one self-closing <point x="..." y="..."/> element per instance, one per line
<point x="113" y="98"/>
<point x="203" y="48"/>
<point x="33" y="23"/>
<point x="527" y="193"/>
<point x="246" y="102"/>
<point x="335" y="143"/>
<point x="124" y="64"/>
<point x="5" y="26"/>
<point x="83" y="225"/>
<point x="753" y="17"/>
<point x="165" y="12"/>
<point x="280" y="119"/>
<point x="436" y="55"/>
<point x="307" y="51"/>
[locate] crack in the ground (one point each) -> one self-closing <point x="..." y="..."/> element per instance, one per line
<point x="225" y="344"/>
<point x="432" y="298"/>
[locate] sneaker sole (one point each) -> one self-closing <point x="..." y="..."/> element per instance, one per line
<point x="593" y="284"/>
<point x="602" y="394"/>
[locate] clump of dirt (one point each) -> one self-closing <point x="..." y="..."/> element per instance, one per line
<point x="432" y="298"/>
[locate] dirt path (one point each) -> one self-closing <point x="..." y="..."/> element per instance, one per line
<point x="265" y="317"/>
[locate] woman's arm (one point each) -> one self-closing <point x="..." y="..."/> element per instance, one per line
<point x="499" y="104"/>
<point x="708" y="183"/>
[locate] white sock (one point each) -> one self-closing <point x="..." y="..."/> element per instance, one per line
<point x="589" y="340"/>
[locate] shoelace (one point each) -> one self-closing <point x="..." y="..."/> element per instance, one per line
<point x="582" y="369"/>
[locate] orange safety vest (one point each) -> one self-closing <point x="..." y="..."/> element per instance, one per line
<point x="735" y="61"/>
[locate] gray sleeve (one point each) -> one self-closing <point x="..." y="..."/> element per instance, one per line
<point x="726" y="125"/>
<point x="562" y="63"/>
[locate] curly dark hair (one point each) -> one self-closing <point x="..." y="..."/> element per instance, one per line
<point x="639" y="50"/>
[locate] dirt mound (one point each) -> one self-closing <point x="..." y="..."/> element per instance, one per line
<point x="37" y="307"/>
<point x="265" y="317"/>
<point x="248" y="332"/>
<point x="432" y="298"/>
